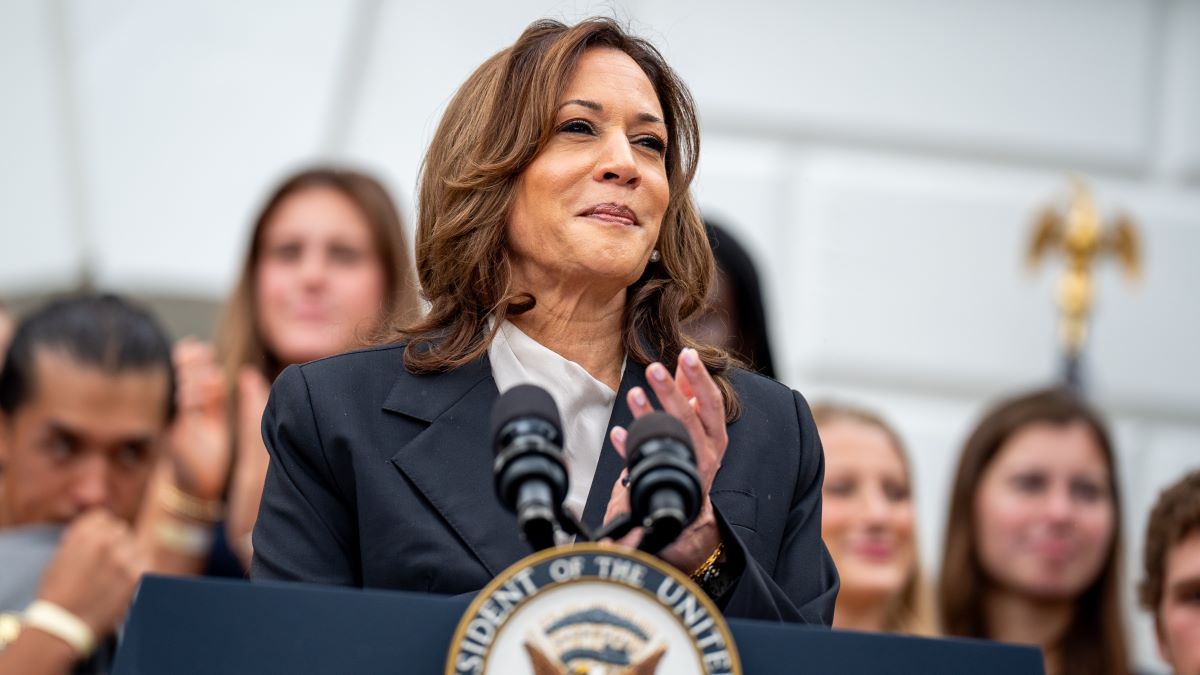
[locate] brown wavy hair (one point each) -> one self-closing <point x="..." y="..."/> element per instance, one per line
<point x="496" y="124"/>
<point x="1094" y="641"/>
<point x="239" y="341"/>
<point x="1175" y="517"/>
<point x="910" y="610"/>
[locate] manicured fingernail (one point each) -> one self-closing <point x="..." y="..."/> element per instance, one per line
<point x="691" y="358"/>
<point x="619" y="435"/>
<point x="659" y="372"/>
<point x="639" y="397"/>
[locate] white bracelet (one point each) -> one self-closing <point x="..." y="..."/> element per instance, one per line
<point x="50" y="618"/>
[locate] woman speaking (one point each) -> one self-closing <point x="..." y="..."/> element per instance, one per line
<point x="557" y="244"/>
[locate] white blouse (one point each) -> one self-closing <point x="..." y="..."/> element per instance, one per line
<point x="585" y="403"/>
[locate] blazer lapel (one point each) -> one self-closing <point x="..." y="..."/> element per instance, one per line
<point x="610" y="465"/>
<point x="450" y="462"/>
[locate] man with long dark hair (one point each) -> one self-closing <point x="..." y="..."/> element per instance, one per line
<point x="86" y="394"/>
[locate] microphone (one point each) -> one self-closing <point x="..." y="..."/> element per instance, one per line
<point x="664" y="485"/>
<point x="531" y="478"/>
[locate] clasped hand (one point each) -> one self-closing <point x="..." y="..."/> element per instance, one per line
<point x="693" y="397"/>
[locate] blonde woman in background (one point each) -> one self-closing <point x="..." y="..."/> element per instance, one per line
<point x="328" y="267"/>
<point x="867" y="522"/>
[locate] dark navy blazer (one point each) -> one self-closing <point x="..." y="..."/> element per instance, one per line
<point x="383" y="479"/>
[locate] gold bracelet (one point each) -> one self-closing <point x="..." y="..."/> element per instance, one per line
<point x="712" y="560"/>
<point x="182" y="504"/>
<point x="10" y="628"/>
<point x="184" y="538"/>
<point x="62" y="624"/>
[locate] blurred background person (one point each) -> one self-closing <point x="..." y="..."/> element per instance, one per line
<point x="6" y="330"/>
<point x="734" y="315"/>
<point x="328" y="266"/>
<point x="85" y="401"/>
<point x="1170" y="588"/>
<point x="868" y="523"/>
<point x="1033" y="540"/>
<point x="7" y="325"/>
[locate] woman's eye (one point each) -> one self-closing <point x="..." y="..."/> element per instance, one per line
<point x="895" y="492"/>
<point x="1086" y="491"/>
<point x="345" y="254"/>
<point x="284" y="252"/>
<point x="577" y="127"/>
<point x="1029" y="482"/>
<point x="841" y="488"/>
<point x="652" y="142"/>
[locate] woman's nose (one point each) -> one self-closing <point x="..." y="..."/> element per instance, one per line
<point x="1059" y="506"/>
<point x="616" y="162"/>
<point x="312" y="269"/>
<point x="875" y="507"/>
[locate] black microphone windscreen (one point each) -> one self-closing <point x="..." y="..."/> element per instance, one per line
<point x="524" y="400"/>
<point x="656" y="425"/>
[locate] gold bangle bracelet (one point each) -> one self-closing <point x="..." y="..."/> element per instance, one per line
<point x="712" y="560"/>
<point x="180" y="503"/>
<point x="184" y="538"/>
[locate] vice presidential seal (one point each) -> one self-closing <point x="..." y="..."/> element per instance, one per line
<point x="592" y="609"/>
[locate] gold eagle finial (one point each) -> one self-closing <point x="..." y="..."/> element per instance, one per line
<point x="1082" y="238"/>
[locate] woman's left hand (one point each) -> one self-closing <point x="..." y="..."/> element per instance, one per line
<point x="694" y="398"/>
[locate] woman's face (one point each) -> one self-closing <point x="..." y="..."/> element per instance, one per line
<point x="867" y="514"/>
<point x="590" y="205"/>
<point x="319" y="284"/>
<point x="1044" y="515"/>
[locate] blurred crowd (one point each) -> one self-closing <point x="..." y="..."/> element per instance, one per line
<point x="122" y="453"/>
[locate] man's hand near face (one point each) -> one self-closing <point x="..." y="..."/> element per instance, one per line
<point x="92" y="576"/>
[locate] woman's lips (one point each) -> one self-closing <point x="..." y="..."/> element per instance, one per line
<point x="311" y="315"/>
<point x="1054" y="549"/>
<point x="874" y="551"/>
<point x="618" y="214"/>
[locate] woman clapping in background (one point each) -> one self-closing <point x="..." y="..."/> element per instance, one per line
<point x="328" y="267"/>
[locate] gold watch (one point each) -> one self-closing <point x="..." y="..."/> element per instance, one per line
<point x="10" y="628"/>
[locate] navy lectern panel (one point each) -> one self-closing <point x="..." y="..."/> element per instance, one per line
<point x="186" y="626"/>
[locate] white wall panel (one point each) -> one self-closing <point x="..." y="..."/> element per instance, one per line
<point x="191" y="110"/>
<point x="917" y="272"/>
<point x="1143" y="352"/>
<point x="1044" y="79"/>
<point x="37" y="249"/>
<point x="918" y="275"/>
<point x="1180" y="140"/>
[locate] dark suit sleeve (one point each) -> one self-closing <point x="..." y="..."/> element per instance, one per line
<point x="805" y="583"/>
<point x="305" y="528"/>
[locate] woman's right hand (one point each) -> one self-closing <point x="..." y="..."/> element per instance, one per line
<point x="200" y="444"/>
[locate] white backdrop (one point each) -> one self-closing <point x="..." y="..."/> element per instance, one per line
<point x="882" y="158"/>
